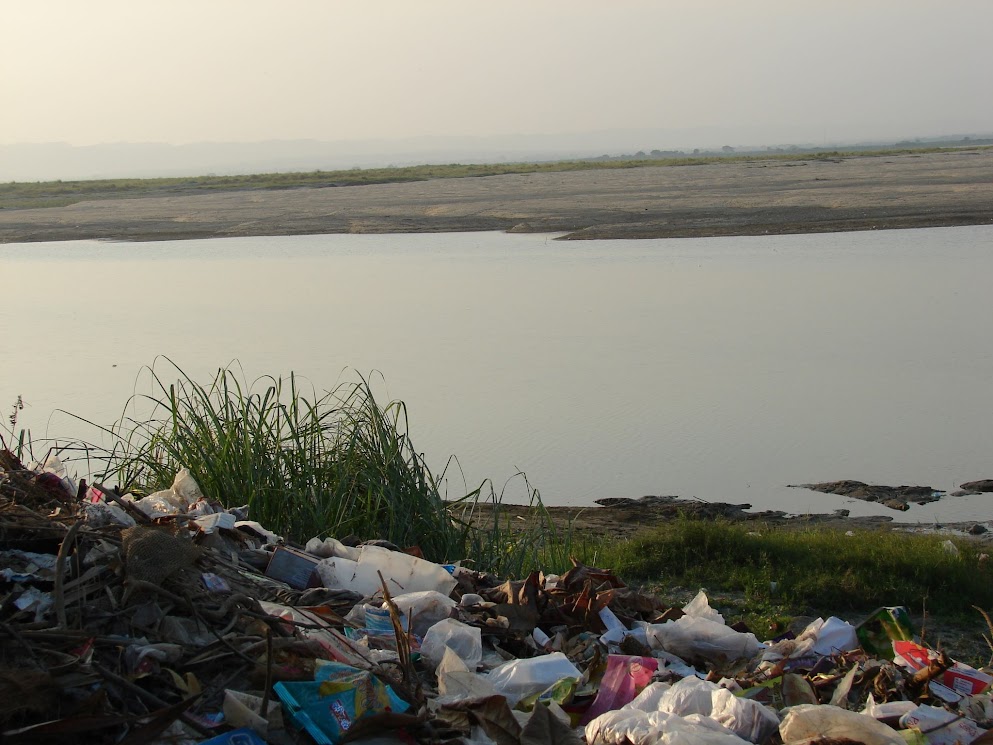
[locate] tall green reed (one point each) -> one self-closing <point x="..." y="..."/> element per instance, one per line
<point x="314" y="464"/>
<point x="493" y="536"/>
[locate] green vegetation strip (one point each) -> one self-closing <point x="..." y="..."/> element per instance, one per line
<point x="27" y="195"/>
<point x="813" y="568"/>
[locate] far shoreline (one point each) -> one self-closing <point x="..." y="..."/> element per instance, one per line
<point x="741" y="198"/>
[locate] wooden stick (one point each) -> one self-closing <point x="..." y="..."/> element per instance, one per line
<point x="60" y="574"/>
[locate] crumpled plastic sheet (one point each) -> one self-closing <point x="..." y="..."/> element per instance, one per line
<point x="629" y="725"/>
<point x="692" y="637"/>
<point x="748" y="719"/>
<point x="808" y="722"/>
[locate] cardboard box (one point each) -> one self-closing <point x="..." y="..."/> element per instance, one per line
<point x="966" y="680"/>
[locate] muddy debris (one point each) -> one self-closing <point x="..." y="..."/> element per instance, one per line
<point x="171" y="619"/>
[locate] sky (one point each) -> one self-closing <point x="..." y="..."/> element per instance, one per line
<point x="184" y="71"/>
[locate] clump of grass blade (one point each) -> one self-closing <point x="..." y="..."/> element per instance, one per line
<point x="307" y="464"/>
<point x="496" y="538"/>
<point x="310" y="464"/>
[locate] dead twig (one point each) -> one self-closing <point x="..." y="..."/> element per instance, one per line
<point x="989" y="624"/>
<point x="128" y="507"/>
<point x="264" y="709"/>
<point x="133" y="585"/>
<point x="60" y="574"/>
<point x="148" y="697"/>
<point x="213" y="632"/>
<point x="410" y="679"/>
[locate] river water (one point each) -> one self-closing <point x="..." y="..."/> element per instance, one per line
<point x="722" y="369"/>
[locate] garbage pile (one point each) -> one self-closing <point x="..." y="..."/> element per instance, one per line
<point x="169" y="619"/>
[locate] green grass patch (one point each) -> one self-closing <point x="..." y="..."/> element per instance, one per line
<point x="813" y="568"/>
<point x="497" y="535"/>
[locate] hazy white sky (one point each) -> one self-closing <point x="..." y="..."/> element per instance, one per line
<point x="246" y="70"/>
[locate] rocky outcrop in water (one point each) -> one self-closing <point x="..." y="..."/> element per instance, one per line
<point x="975" y="487"/>
<point x="894" y="497"/>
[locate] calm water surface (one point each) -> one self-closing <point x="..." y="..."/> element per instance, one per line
<point x="722" y="368"/>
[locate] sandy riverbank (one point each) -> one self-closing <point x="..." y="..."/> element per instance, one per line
<point x="740" y="198"/>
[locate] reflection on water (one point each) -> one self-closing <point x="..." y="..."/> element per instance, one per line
<point x="717" y="368"/>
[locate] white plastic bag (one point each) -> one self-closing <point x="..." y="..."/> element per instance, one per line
<point x="464" y="640"/>
<point x="699" y="607"/>
<point x="160" y="504"/>
<point x="831" y="636"/>
<point x="648" y="699"/>
<point x="747" y="719"/>
<point x="185" y="487"/>
<point x="99" y="514"/>
<point x="456" y="682"/>
<point x="424" y="609"/>
<point x="175" y="500"/>
<point x="403" y="573"/>
<point x="891" y="710"/>
<point x="808" y="721"/>
<point x="519" y="679"/>
<point x="695" y="729"/>
<point x="625" y="726"/>
<point x="331" y="547"/>
<point x="692" y="637"/>
<point x="251" y="526"/>
<point x="613" y="727"/>
<point x="836" y="636"/>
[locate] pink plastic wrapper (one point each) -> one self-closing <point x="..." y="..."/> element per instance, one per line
<point x="624" y="679"/>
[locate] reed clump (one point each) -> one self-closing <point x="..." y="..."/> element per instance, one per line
<point x="310" y="464"/>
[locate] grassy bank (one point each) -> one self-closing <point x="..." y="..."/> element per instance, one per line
<point x="27" y="195"/>
<point x="766" y="575"/>
<point x="338" y="463"/>
<point x="813" y="568"/>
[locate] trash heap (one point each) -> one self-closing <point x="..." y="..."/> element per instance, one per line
<point x="169" y="619"/>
